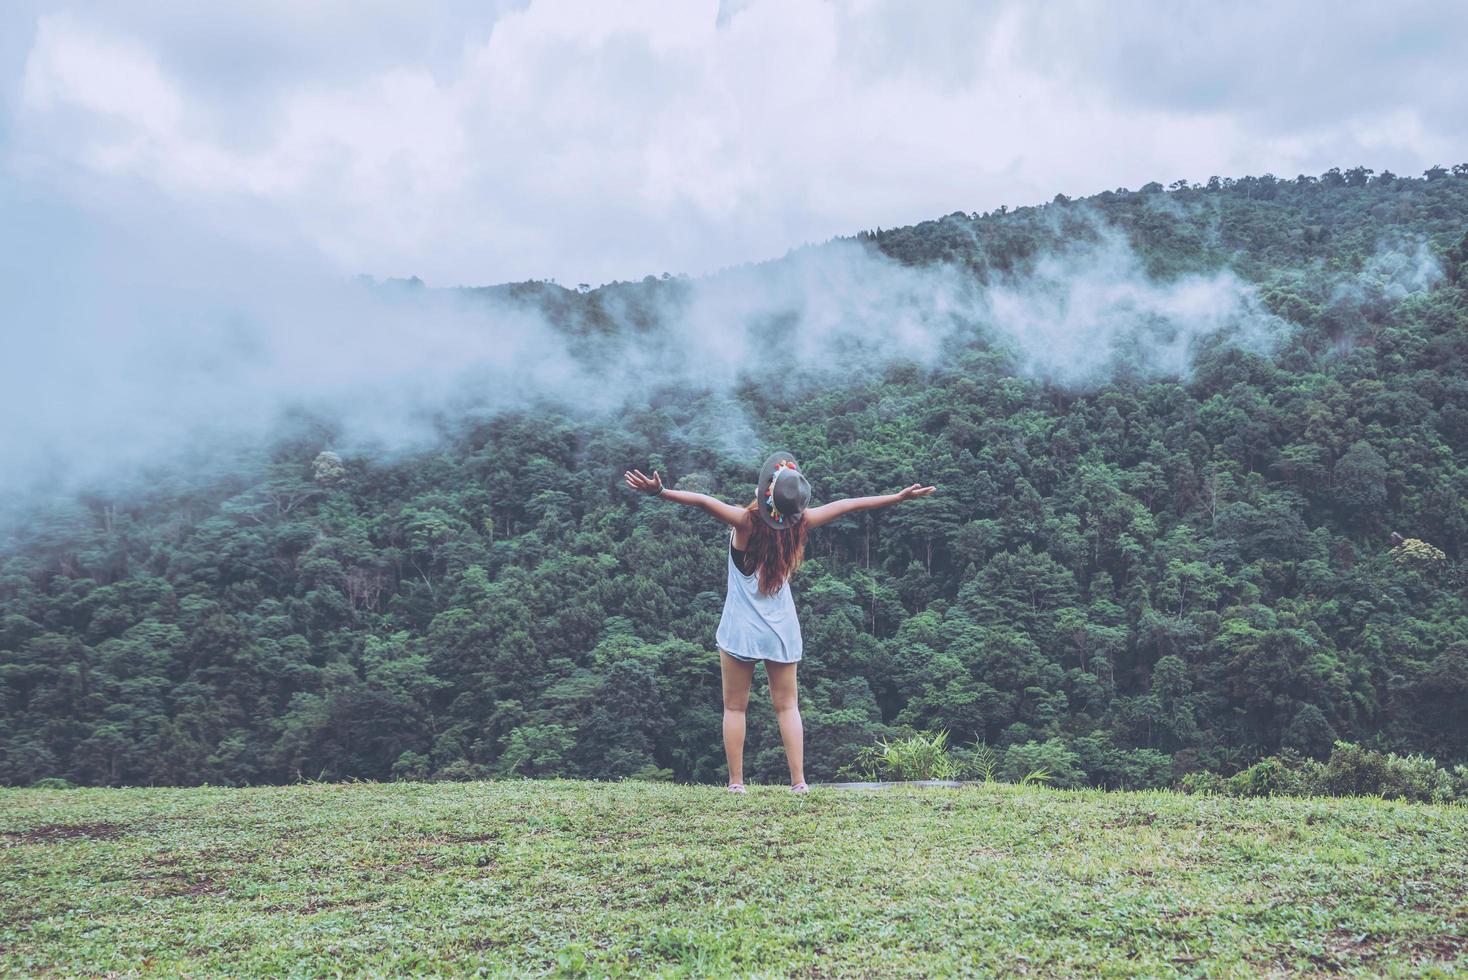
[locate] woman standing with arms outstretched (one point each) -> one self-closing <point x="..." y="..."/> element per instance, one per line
<point x="766" y="545"/>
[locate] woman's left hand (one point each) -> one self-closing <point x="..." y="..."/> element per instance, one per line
<point x="914" y="491"/>
<point x="643" y="483"/>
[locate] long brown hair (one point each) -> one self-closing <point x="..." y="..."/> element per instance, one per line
<point x="777" y="554"/>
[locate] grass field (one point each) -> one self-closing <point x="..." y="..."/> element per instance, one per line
<point x="568" y="878"/>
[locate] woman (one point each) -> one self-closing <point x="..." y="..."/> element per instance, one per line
<point x="759" y="622"/>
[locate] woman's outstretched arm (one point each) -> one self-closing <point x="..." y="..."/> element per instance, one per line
<point x="653" y="487"/>
<point x="826" y="513"/>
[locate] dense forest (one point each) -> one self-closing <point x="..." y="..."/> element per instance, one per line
<point x="1124" y="581"/>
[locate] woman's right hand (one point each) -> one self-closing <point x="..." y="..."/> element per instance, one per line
<point x="643" y="483"/>
<point x="913" y="492"/>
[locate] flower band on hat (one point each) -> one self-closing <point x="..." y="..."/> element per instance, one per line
<point x="784" y="464"/>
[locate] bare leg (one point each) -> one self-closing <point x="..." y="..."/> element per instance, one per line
<point x="737" y="677"/>
<point x="782" y="693"/>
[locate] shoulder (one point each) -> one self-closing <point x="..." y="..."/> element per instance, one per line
<point x="742" y="530"/>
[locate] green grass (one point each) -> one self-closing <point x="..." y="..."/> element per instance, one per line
<point x="567" y="878"/>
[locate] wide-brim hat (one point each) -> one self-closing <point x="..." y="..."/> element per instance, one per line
<point x="782" y="493"/>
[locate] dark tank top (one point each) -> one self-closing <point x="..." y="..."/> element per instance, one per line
<point x="743" y="560"/>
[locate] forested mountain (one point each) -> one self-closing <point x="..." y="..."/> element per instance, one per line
<point x="1124" y="577"/>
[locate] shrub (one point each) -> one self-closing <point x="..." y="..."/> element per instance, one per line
<point x="651" y="773"/>
<point x="1051" y="757"/>
<point x="1107" y="766"/>
<point x="1299" y="775"/>
<point x="1354" y="771"/>
<point x="979" y="761"/>
<point x="56" y="782"/>
<point x="411" y="766"/>
<point x="921" y="755"/>
<point x="1267" y="777"/>
<point x="1351" y="771"/>
<point x="1459" y="777"/>
<point x="1286" y="774"/>
<point x="1416" y="777"/>
<point x="1141" y="769"/>
<point x="1309" y="778"/>
<point x="461" y="771"/>
<point x="1203" y="783"/>
<point x="537" y="750"/>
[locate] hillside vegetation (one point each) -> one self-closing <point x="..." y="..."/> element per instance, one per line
<point x="572" y="878"/>
<point x="1122" y="582"/>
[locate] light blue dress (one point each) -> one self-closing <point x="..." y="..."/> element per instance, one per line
<point x="754" y="626"/>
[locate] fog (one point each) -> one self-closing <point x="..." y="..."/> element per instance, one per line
<point x="133" y="350"/>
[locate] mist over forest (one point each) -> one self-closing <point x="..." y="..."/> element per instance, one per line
<point x="197" y="356"/>
<point x="1201" y="454"/>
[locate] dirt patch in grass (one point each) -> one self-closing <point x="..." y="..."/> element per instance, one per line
<point x="318" y="905"/>
<point x="328" y="905"/>
<point x="1442" y="947"/>
<point x="52" y="832"/>
<point x="172" y="884"/>
<point x="1132" y="820"/>
<point x="487" y="838"/>
<point x="163" y="878"/>
<point x="1347" y="948"/>
<point x="490" y="942"/>
<point x="426" y="861"/>
<point x="201" y="887"/>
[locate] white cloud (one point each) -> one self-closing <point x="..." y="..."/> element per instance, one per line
<point x="114" y="79"/>
<point x="591" y="141"/>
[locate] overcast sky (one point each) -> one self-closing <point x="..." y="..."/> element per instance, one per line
<point x="482" y="142"/>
